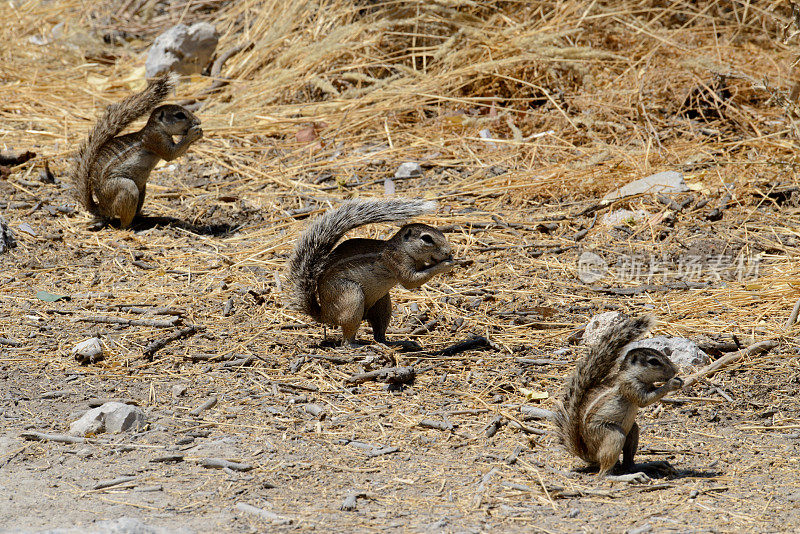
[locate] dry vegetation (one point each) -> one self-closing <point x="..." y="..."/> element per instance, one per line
<point x="578" y="98"/>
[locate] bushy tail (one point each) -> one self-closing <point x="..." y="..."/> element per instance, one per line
<point x="591" y="371"/>
<point x="313" y="246"/>
<point x="114" y="120"/>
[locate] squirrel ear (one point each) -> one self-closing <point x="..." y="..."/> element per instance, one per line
<point x="161" y="114"/>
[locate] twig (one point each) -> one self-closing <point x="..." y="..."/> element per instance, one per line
<point x="437" y="425"/>
<point x="221" y="463"/>
<point x="793" y="315"/>
<point x="114" y="482"/>
<point x="649" y="288"/>
<point x="708" y="370"/>
<point x="391" y="375"/>
<point x="159" y="344"/>
<point x="58" y="438"/>
<point x="272" y="517"/>
<point x="155" y="323"/>
<point x="10" y="342"/>
<point x="210" y="403"/>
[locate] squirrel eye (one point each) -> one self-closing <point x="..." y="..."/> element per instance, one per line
<point x="654" y="362"/>
<point x="427" y="238"/>
<point x="181" y="116"/>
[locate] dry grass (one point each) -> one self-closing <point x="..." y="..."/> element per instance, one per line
<point x="579" y="98"/>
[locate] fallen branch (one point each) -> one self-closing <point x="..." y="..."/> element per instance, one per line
<point x="58" y="438"/>
<point x="159" y="344"/>
<point x="115" y="482"/>
<point x="272" y="517"/>
<point x="708" y="370"/>
<point x="220" y="463"/>
<point x="155" y="323"/>
<point x="390" y="375"/>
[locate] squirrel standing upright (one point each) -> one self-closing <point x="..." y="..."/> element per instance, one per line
<point x="114" y="170"/>
<point x="595" y="417"/>
<point x="344" y="285"/>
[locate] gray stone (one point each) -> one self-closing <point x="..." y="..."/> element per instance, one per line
<point x="618" y="217"/>
<point x="591" y="267"/>
<point x="90" y="350"/>
<point x="182" y="49"/>
<point x="663" y="182"/>
<point x="408" y="169"/>
<point x="111" y="417"/>
<point x="681" y="351"/>
<point x="598" y="325"/>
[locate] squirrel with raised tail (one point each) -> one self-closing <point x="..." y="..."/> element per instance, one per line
<point x="111" y="172"/>
<point x="345" y="284"/>
<point x="595" y="417"/>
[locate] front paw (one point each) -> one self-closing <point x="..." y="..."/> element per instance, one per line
<point x="445" y="266"/>
<point x="675" y="383"/>
<point x="194" y="133"/>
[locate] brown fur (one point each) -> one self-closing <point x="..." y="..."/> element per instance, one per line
<point x="111" y="172"/>
<point x="596" y="415"/>
<point x="344" y="285"/>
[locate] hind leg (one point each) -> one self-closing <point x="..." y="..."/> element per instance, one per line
<point x="378" y="317"/>
<point x="142" y="193"/>
<point x="629" y="449"/>
<point x="344" y="306"/>
<point x="611" y="446"/>
<point x="118" y="197"/>
<point x="614" y="443"/>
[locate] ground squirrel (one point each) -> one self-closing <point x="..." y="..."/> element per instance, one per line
<point x="596" y="415"/>
<point x="344" y="285"/>
<point x="114" y="170"/>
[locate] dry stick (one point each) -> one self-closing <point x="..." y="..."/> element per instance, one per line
<point x="210" y="403"/>
<point x="392" y="375"/>
<point x="58" y="438"/>
<point x="755" y="348"/>
<point x="159" y="344"/>
<point x="114" y="482"/>
<point x="793" y="315"/>
<point x="10" y="342"/>
<point x="437" y="425"/>
<point x="166" y="323"/>
<point x="221" y="463"/>
<point x="272" y="517"/>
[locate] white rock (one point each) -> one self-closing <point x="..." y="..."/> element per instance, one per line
<point x="617" y="217"/>
<point x="88" y="349"/>
<point x="591" y="267"/>
<point x="598" y="325"/>
<point x="663" y="182"/>
<point x="408" y="169"/>
<point x="182" y="49"/>
<point x="683" y="352"/>
<point x="111" y="417"/>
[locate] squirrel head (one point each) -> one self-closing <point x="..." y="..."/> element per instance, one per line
<point x="648" y="365"/>
<point x="425" y="244"/>
<point x="173" y="119"/>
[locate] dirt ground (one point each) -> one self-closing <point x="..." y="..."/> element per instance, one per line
<point x="715" y="263"/>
